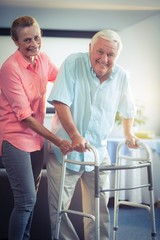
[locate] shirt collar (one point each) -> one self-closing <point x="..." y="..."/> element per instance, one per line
<point x="90" y="66"/>
<point x="23" y="61"/>
<point x="94" y="74"/>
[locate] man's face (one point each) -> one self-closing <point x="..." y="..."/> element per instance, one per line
<point x="103" y="56"/>
<point x="29" y="41"/>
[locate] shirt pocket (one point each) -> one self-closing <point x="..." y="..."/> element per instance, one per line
<point x="107" y="103"/>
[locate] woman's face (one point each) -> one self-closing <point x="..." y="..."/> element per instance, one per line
<point x="103" y="55"/>
<point x="29" y="41"/>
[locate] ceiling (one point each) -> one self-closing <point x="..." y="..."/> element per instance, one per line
<point x="87" y="4"/>
<point x="86" y="14"/>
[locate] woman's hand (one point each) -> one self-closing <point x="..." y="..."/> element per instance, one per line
<point x="65" y="147"/>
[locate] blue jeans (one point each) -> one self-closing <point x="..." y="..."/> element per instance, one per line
<point x="24" y="173"/>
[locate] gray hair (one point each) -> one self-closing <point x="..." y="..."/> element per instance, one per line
<point x="109" y="35"/>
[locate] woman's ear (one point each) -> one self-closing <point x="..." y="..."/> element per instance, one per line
<point x="15" y="42"/>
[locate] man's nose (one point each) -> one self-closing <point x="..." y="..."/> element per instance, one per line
<point x="104" y="58"/>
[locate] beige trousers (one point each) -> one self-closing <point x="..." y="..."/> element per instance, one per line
<point x="67" y="231"/>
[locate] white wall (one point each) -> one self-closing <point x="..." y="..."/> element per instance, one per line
<point x="140" y="56"/>
<point x="56" y="48"/>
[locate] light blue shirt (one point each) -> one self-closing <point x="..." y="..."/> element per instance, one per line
<point x="93" y="105"/>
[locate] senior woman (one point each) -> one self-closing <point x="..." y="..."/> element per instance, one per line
<point x="23" y="80"/>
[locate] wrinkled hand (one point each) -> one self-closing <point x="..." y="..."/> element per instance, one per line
<point x="131" y="141"/>
<point x="65" y="147"/>
<point x="79" y="143"/>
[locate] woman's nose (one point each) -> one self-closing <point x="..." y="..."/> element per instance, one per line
<point x="34" y="42"/>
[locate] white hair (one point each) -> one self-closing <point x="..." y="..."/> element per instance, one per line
<point x="109" y="35"/>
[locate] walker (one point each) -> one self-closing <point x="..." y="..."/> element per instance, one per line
<point x="61" y="211"/>
<point x="133" y="163"/>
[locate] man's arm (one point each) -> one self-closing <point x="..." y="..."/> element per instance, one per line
<point x="65" y="117"/>
<point x="131" y="139"/>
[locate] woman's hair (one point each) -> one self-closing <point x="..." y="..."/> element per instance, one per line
<point x="21" y="22"/>
<point x="109" y="35"/>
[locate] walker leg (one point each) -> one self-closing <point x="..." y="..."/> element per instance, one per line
<point x="152" y="210"/>
<point x="116" y="204"/>
<point x="59" y="208"/>
<point x="97" y="204"/>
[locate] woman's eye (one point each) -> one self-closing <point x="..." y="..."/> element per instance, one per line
<point x="37" y="38"/>
<point x="27" y="40"/>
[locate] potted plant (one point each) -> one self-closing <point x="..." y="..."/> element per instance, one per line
<point x="139" y="119"/>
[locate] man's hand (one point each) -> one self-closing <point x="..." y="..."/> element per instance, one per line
<point x="78" y="143"/>
<point x="131" y="141"/>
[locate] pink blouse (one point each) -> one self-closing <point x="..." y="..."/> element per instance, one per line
<point x="22" y="93"/>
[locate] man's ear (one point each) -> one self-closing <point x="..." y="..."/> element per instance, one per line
<point x="90" y="48"/>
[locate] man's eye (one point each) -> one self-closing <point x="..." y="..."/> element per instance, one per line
<point x="100" y="52"/>
<point x="27" y="40"/>
<point x="110" y="55"/>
